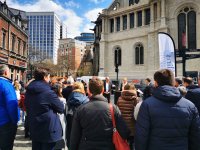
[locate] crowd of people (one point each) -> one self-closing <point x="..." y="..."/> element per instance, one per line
<point x="60" y="113"/>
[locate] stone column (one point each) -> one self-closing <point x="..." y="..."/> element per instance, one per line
<point x="121" y="23"/>
<point x="115" y="23"/>
<point x="163" y="13"/>
<point x="101" y="59"/>
<point x="143" y="17"/>
<point x="152" y="17"/>
<point x="106" y="22"/>
<point x="103" y="25"/>
<point x="158" y="10"/>
<point x="135" y="20"/>
<point x="152" y="12"/>
<point x="128" y="21"/>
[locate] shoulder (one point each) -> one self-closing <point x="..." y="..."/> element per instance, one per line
<point x="197" y="91"/>
<point x="186" y="102"/>
<point x="5" y="84"/>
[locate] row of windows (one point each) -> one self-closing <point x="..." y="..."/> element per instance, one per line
<point x="131" y="16"/>
<point x="139" y="55"/>
<point x="15" y="43"/>
<point x="34" y="17"/>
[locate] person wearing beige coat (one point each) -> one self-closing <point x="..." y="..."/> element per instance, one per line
<point x="126" y="103"/>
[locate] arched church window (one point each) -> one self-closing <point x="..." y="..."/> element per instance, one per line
<point x="139" y="54"/>
<point x="187" y="28"/>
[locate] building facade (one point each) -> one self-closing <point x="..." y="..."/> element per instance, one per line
<point x="63" y="31"/>
<point x="45" y="29"/>
<point x="133" y="26"/>
<point x="70" y="55"/>
<point x="13" y="41"/>
<point x="86" y="37"/>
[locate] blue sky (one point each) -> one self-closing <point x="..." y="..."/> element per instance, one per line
<point x="76" y="14"/>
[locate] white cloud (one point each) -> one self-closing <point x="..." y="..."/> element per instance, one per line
<point x="71" y="3"/>
<point x="87" y="28"/>
<point x="68" y="16"/>
<point x="91" y="16"/>
<point x="97" y="1"/>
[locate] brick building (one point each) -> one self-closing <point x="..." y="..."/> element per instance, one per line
<point x="13" y="41"/>
<point x="70" y="55"/>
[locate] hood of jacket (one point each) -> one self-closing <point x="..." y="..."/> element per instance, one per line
<point x="38" y="87"/>
<point x="129" y="95"/>
<point x="167" y="94"/>
<point x="77" y="98"/>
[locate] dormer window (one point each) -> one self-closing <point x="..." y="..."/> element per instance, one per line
<point x="132" y="2"/>
<point x="5" y="10"/>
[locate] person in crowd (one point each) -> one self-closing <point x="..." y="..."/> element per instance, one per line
<point x="126" y="103"/>
<point x="137" y="108"/>
<point x="17" y="89"/>
<point x="24" y="114"/>
<point x="166" y="120"/>
<point x="9" y="112"/>
<point x="85" y="86"/>
<point x="107" y="89"/>
<point x="124" y="82"/>
<point x="53" y="81"/>
<point x="68" y="90"/>
<point x="64" y="84"/>
<point x="193" y="94"/>
<point x="60" y="80"/>
<point x="189" y="84"/>
<point x="179" y="85"/>
<point x="58" y="90"/>
<point x="22" y="86"/>
<point x="43" y="105"/>
<point x="178" y="82"/>
<point x="199" y="80"/>
<point x="148" y="89"/>
<point x="92" y="125"/>
<point x="76" y="98"/>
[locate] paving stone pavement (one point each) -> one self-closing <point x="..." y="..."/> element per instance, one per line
<point x="21" y="143"/>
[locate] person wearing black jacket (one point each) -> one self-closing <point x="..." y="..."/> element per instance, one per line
<point x="92" y="125"/>
<point x="67" y="90"/>
<point x="107" y="89"/>
<point x="43" y="105"/>
<point x="193" y="93"/>
<point x="148" y="89"/>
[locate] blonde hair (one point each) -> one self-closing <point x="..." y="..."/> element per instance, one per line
<point x="16" y="86"/>
<point x="78" y="87"/>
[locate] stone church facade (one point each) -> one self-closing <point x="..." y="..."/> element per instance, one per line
<point x="132" y="26"/>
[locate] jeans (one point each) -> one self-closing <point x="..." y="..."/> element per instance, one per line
<point x="7" y="136"/>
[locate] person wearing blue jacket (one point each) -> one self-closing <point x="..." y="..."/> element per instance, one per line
<point x="9" y="112"/>
<point x="166" y="120"/>
<point x="76" y="98"/>
<point x="43" y="105"/>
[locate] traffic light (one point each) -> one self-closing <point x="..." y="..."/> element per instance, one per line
<point x="118" y="57"/>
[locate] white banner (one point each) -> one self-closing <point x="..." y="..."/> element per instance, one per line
<point x="166" y="52"/>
